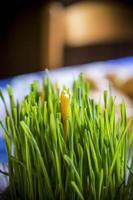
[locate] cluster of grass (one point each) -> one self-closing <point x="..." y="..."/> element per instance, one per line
<point x="63" y="146"/>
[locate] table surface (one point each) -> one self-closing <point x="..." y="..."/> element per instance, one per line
<point x="64" y="76"/>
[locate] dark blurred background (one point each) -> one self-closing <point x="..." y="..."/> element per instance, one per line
<point x="39" y="34"/>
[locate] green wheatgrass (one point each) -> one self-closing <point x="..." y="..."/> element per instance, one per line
<point x="94" y="162"/>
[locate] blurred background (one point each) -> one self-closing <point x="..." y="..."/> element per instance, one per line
<point x="39" y="34"/>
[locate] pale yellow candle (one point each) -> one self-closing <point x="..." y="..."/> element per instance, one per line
<point x="65" y="109"/>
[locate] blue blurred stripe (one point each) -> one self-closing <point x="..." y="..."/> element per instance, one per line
<point x="3" y="155"/>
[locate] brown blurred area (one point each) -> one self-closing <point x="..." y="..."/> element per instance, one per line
<point x="35" y="35"/>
